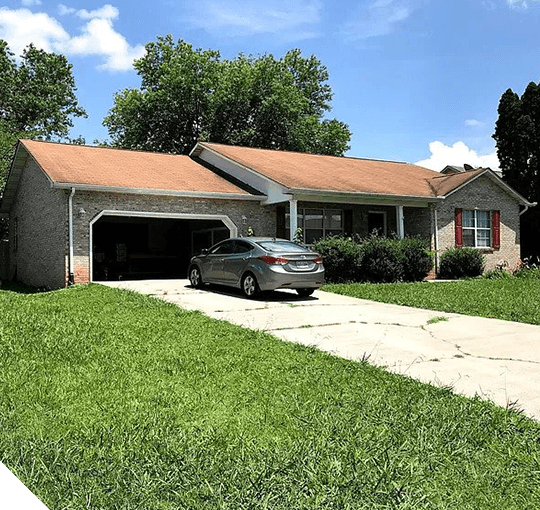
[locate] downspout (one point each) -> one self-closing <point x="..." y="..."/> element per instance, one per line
<point x="71" y="274"/>
<point x="436" y="238"/>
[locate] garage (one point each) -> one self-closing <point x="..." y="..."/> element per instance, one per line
<point x="139" y="246"/>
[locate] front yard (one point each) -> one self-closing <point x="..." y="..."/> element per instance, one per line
<point x="512" y="299"/>
<point x="113" y="400"/>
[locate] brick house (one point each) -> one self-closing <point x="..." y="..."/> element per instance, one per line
<point x="79" y="214"/>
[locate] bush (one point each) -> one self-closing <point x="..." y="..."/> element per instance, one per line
<point x="380" y="261"/>
<point x="528" y="272"/>
<point x="458" y="263"/>
<point x="340" y="257"/>
<point x="416" y="259"/>
<point x="497" y="274"/>
<point x="375" y="259"/>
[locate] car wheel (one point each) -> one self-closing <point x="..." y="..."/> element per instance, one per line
<point x="249" y="285"/>
<point x="195" y="277"/>
<point x="305" y="292"/>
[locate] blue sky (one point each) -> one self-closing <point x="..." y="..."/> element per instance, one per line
<point x="415" y="80"/>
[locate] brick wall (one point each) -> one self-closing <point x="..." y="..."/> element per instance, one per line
<point x="39" y="221"/>
<point x="483" y="194"/>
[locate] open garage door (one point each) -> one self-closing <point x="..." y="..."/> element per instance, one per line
<point x="140" y="248"/>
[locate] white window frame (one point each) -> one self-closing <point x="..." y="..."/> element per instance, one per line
<point x="475" y="229"/>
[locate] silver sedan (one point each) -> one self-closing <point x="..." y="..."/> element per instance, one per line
<point x="255" y="264"/>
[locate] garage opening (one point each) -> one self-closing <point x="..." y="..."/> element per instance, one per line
<point x="141" y="248"/>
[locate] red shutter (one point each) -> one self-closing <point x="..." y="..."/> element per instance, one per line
<point x="496" y="227"/>
<point x="459" y="228"/>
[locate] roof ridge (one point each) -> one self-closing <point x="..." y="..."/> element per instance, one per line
<point x="106" y="147"/>
<point x="310" y="153"/>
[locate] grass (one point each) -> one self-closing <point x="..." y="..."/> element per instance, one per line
<point x="112" y="400"/>
<point x="512" y="299"/>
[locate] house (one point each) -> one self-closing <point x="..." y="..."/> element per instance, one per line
<point x="79" y="214"/>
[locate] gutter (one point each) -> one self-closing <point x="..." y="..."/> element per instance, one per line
<point x="155" y="191"/>
<point x="532" y="204"/>
<point x="71" y="274"/>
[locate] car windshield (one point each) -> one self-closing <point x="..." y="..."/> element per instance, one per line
<point x="282" y="247"/>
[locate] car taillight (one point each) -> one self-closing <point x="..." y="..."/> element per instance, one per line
<point x="318" y="260"/>
<point x="279" y="261"/>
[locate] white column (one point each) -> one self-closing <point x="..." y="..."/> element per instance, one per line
<point x="399" y="218"/>
<point x="436" y="237"/>
<point x="293" y="217"/>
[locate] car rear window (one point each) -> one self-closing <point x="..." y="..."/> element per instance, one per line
<point x="282" y="247"/>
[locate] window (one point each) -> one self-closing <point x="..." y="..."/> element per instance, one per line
<point x="317" y="223"/>
<point x="478" y="229"/>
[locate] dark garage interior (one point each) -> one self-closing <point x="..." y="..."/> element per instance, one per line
<point x="140" y="248"/>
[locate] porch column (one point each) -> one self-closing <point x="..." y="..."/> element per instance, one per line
<point x="399" y="221"/>
<point x="293" y="217"/>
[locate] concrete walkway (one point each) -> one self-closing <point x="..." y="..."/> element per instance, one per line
<point x="495" y="359"/>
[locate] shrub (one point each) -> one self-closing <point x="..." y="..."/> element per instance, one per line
<point x="497" y="274"/>
<point x="461" y="263"/>
<point x="380" y="260"/>
<point x="528" y="272"/>
<point x="416" y="259"/>
<point x="340" y="257"/>
<point x="376" y="259"/>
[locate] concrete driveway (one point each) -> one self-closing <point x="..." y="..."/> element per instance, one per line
<point x="497" y="360"/>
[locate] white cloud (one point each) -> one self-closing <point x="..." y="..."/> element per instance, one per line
<point x="517" y="4"/>
<point x="473" y="123"/>
<point x="379" y="18"/>
<point x="457" y="154"/>
<point x="106" y="12"/>
<point x="21" y="27"/>
<point x="288" y="19"/>
<point x="30" y="3"/>
<point x="98" y="36"/>
<point x="63" y="10"/>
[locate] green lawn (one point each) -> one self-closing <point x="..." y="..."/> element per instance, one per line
<point x="512" y="299"/>
<point x="112" y="400"/>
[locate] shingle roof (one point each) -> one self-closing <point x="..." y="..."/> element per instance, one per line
<point x="99" y="166"/>
<point x="296" y="170"/>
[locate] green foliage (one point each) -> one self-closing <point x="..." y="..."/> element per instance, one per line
<point x="517" y="136"/>
<point x="188" y="94"/>
<point x="38" y="95"/>
<point x="116" y="400"/>
<point x="458" y="263"/>
<point x="380" y="260"/>
<point x="375" y="259"/>
<point x="340" y="258"/>
<point x="496" y="274"/>
<point x="37" y="99"/>
<point x="507" y="298"/>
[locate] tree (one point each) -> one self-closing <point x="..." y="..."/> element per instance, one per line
<point x="188" y="94"/>
<point x="517" y="136"/>
<point x="37" y="99"/>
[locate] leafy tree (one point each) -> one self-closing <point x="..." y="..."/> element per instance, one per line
<point x="37" y="99"/>
<point x="37" y="95"/>
<point x="189" y="94"/>
<point x="517" y="135"/>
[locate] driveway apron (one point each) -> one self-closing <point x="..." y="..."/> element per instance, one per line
<point x="494" y="359"/>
